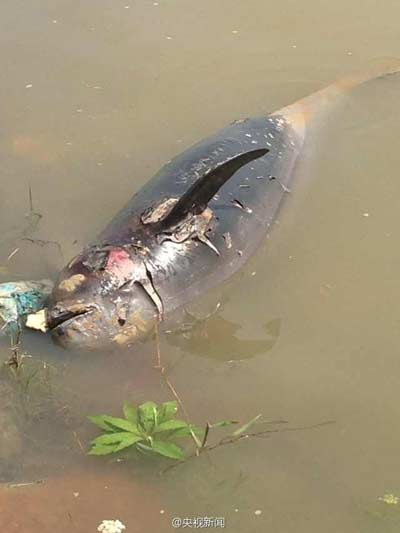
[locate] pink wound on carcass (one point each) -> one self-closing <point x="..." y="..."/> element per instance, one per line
<point x="120" y="264"/>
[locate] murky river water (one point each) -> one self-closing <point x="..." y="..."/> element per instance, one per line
<point x="95" y="97"/>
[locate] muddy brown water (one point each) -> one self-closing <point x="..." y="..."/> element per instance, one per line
<point x="95" y="97"/>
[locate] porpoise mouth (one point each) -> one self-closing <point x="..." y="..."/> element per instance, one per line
<point x="61" y="316"/>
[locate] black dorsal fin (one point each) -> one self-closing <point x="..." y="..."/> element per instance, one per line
<point x="196" y="198"/>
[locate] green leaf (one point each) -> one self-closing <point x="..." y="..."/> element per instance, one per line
<point x="121" y="423"/>
<point x="116" y="438"/>
<point x="113" y="442"/>
<point x="130" y="412"/>
<point x="170" y="425"/>
<point x="246" y="427"/>
<point x="110" y="423"/>
<point x="167" y="410"/>
<point x="168" y="449"/>
<point x="223" y="423"/>
<point x="147" y="416"/>
<point x="102" y="449"/>
<point x="99" y="420"/>
<point x="129" y="440"/>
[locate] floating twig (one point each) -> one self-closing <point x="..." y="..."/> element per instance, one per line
<point x="80" y="446"/>
<point x="26" y="484"/>
<point x="42" y="242"/>
<point x="12" y="254"/>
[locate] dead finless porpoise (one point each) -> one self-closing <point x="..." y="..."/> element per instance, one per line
<point x="189" y="228"/>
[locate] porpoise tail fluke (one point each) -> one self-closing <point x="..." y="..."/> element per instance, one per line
<point x="303" y="111"/>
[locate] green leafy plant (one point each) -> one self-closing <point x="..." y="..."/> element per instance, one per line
<point x="149" y="428"/>
<point x="154" y="429"/>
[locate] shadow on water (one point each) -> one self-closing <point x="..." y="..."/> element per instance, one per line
<point x="219" y="338"/>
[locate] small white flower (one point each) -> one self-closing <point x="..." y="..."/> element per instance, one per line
<point x="111" y="526"/>
<point x="389" y="499"/>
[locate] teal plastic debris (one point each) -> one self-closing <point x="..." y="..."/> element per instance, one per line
<point x="18" y="299"/>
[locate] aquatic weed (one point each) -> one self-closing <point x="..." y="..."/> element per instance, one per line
<point x="148" y="427"/>
<point x="153" y="429"/>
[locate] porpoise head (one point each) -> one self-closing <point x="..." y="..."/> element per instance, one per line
<point x="101" y="298"/>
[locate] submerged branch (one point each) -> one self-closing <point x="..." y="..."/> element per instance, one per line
<point x="233" y="439"/>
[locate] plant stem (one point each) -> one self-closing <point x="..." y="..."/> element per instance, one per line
<point x="232" y="440"/>
<point x="174" y="392"/>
